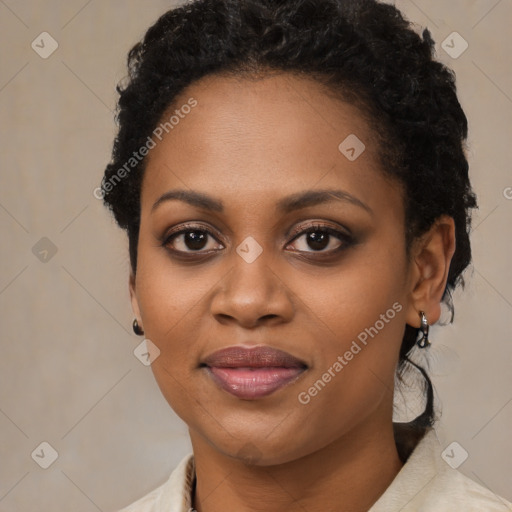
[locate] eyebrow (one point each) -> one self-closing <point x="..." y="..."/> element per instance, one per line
<point x="197" y="199"/>
<point x="288" y="204"/>
<point x="314" y="197"/>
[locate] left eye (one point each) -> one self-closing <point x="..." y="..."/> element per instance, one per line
<point x="320" y="239"/>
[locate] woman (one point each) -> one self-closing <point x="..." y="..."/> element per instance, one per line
<point x="292" y="179"/>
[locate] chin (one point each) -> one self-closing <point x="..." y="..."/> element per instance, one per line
<point x="261" y="448"/>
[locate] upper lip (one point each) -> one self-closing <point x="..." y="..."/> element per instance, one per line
<point x="252" y="357"/>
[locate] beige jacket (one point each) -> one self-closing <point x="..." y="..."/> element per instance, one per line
<point x="426" y="483"/>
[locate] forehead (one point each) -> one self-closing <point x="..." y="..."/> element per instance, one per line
<point x="260" y="136"/>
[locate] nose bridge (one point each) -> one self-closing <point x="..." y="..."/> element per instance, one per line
<point x="250" y="261"/>
<point x="251" y="280"/>
<point x="252" y="289"/>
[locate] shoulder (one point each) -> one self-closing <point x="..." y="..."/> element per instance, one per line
<point x="451" y="488"/>
<point x="173" y="495"/>
<point x="147" y="503"/>
<point x="426" y="482"/>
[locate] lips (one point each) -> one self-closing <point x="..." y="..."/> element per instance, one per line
<point x="252" y="373"/>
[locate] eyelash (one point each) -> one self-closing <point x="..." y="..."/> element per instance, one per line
<point x="346" y="240"/>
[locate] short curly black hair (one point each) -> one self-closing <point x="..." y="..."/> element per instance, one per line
<point x="363" y="49"/>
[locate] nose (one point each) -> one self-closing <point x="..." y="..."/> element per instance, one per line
<point x="252" y="294"/>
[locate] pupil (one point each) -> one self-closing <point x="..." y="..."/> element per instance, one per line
<point x="318" y="241"/>
<point x="195" y="239"/>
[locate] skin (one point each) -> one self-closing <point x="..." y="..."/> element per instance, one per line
<point x="250" y="143"/>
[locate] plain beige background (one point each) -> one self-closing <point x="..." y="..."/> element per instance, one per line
<point x="68" y="373"/>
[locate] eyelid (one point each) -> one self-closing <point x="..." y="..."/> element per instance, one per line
<point x="184" y="228"/>
<point x="318" y="224"/>
<point x="341" y="234"/>
<point x="189" y="255"/>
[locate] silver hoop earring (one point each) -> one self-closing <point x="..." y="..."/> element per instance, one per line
<point x="423" y="342"/>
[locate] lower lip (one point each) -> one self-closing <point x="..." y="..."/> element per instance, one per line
<point x="250" y="384"/>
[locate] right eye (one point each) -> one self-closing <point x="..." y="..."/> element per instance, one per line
<point x="192" y="239"/>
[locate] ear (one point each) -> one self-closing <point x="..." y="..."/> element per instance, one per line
<point x="431" y="255"/>
<point x="134" y="300"/>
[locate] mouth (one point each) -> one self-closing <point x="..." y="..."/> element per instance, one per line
<point x="252" y="373"/>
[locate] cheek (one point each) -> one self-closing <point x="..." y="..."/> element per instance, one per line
<point x="353" y="297"/>
<point x="359" y="311"/>
<point x="167" y="293"/>
<point x="170" y="301"/>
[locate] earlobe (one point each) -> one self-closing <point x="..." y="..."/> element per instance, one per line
<point x="430" y="259"/>
<point x="134" y="300"/>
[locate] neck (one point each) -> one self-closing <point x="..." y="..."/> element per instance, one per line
<point x="349" y="474"/>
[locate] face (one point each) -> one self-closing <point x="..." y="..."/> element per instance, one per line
<point x="272" y="272"/>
